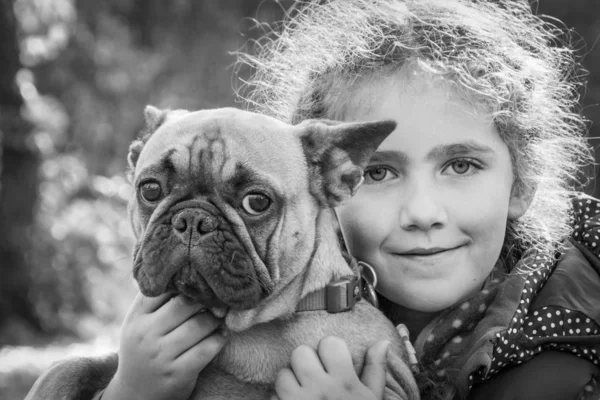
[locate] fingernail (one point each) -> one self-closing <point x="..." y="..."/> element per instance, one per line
<point x="179" y="299"/>
<point x="388" y="345"/>
<point x="224" y="331"/>
<point x="385" y="355"/>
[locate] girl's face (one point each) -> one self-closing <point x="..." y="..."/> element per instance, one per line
<point x="431" y="214"/>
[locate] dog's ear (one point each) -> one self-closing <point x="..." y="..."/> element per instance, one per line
<point x="337" y="154"/>
<point x="154" y="117"/>
<point x="135" y="148"/>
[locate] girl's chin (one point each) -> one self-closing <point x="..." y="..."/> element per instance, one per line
<point x="425" y="298"/>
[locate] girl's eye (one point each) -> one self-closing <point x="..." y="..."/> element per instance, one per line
<point x="378" y="174"/>
<point x="151" y="191"/>
<point x="255" y="203"/>
<point x="463" y="166"/>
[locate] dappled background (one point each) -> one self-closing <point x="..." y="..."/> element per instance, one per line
<point x="75" y="76"/>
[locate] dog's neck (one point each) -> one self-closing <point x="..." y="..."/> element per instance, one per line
<point x="327" y="262"/>
<point x="325" y="265"/>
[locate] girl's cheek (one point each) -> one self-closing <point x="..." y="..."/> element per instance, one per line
<point x="363" y="223"/>
<point x="353" y="229"/>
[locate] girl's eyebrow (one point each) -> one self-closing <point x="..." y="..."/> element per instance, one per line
<point x="438" y="152"/>
<point x="389" y="155"/>
<point x="459" y="149"/>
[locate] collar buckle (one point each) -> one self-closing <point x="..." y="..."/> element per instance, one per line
<point x="342" y="294"/>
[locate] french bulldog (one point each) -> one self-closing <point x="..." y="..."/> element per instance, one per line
<point x="234" y="210"/>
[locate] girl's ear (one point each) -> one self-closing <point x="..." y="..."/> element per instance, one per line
<point x="520" y="200"/>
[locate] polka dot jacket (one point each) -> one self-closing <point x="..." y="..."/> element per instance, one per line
<point x="546" y="303"/>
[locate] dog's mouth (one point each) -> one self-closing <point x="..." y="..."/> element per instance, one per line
<point x="193" y="291"/>
<point x="217" y="308"/>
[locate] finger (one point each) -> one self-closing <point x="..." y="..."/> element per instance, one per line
<point x="306" y="365"/>
<point x="373" y="374"/>
<point x="286" y="384"/>
<point x="190" y="332"/>
<point x="148" y="305"/>
<point x="201" y="353"/>
<point x="175" y="312"/>
<point x="335" y="357"/>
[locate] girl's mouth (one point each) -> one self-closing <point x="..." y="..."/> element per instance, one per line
<point x="426" y="251"/>
<point x="420" y="251"/>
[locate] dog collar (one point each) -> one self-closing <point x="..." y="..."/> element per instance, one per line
<point x="339" y="295"/>
<point x="342" y="294"/>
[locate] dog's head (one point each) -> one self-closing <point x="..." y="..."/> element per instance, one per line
<point x="226" y="201"/>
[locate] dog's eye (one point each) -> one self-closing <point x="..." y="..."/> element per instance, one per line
<point x="150" y="191"/>
<point x="255" y="203"/>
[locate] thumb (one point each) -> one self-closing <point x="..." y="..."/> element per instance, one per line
<point x="373" y="374"/>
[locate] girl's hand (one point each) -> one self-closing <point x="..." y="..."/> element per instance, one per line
<point x="165" y="343"/>
<point x="330" y="374"/>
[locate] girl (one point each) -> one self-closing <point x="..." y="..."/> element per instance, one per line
<point x="467" y="213"/>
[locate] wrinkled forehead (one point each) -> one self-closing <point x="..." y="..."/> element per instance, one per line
<point x="223" y="141"/>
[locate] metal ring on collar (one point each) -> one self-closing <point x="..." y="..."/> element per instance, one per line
<point x="368" y="273"/>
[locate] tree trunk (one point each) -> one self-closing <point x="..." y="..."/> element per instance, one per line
<point x="19" y="163"/>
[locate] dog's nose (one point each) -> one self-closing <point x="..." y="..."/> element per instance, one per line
<point x="188" y="221"/>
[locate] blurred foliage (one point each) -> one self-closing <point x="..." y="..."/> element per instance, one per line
<point x="89" y="68"/>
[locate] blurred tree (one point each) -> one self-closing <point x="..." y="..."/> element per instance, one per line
<point x="18" y="184"/>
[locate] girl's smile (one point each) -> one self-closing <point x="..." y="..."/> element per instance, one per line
<point x="429" y="263"/>
<point x="419" y="251"/>
<point x="432" y="212"/>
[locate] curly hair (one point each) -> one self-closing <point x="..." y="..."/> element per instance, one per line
<point x="507" y="61"/>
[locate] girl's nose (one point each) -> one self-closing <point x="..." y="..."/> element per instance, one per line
<point x="422" y="207"/>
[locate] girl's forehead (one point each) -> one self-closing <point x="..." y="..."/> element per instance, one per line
<point x="428" y="113"/>
<point x="407" y="92"/>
